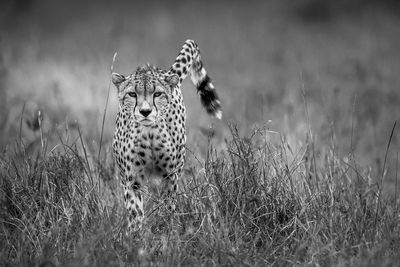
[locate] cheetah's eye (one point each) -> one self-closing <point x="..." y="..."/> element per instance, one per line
<point x="132" y="94"/>
<point x="157" y="94"/>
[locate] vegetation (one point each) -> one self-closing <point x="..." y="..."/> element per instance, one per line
<point x="255" y="203"/>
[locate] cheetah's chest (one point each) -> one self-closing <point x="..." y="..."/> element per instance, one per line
<point x="153" y="148"/>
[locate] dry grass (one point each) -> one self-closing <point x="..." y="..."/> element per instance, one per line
<point x="247" y="205"/>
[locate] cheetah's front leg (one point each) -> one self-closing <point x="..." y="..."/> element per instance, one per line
<point x="169" y="188"/>
<point x="134" y="201"/>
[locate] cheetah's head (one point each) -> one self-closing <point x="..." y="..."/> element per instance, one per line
<point x="146" y="94"/>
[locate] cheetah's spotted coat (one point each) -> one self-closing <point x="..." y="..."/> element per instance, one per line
<point x="150" y="134"/>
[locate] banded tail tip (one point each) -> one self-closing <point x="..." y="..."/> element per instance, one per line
<point x="210" y="101"/>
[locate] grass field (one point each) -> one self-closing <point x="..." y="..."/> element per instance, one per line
<point x="302" y="170"/>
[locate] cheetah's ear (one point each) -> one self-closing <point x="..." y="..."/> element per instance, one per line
<point x="117" y="79"/>
<point x="172" y="80"/>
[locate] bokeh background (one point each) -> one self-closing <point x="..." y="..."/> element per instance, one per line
<point x="332" y="66"/>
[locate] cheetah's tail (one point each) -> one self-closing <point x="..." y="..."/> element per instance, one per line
<point x="208" y="95"/>
<point x="189" y="61"/>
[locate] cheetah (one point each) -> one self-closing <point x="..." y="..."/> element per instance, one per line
<point x="150" y="133"/>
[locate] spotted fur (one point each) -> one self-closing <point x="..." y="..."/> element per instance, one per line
<point x="150" y="134"/>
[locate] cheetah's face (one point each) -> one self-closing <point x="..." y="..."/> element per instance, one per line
<point x="145" y="97"/>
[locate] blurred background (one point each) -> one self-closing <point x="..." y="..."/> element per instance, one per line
<point x="330" y="65"/>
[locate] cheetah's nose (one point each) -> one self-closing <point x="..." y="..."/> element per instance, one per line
<point x="145" y="112"/>
<point x="145" y="109"/>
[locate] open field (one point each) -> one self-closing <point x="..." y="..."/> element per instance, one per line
<point x="302" y="170"/>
